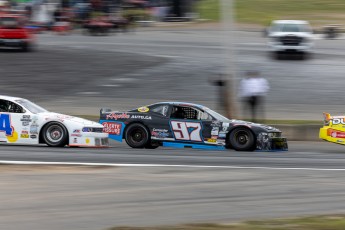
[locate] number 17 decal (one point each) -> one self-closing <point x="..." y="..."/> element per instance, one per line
<point x="186" y="131"/>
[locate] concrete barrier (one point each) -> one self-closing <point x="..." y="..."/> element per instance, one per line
<point x="300" y="132"/>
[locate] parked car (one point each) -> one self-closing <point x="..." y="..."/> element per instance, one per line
<point x="14" y="33"/>
<point x="290" y="36"/>
<point x="180" y="124"/>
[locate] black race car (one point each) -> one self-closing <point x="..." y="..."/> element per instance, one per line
<point x="179" y="124"/>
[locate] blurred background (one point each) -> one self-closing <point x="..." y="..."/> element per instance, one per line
<point x="86" y="54"/>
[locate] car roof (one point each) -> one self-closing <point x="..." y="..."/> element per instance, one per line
<point x="10" y="98"/>
<point x="289" y="22"/>
<point x="181" y="104"/>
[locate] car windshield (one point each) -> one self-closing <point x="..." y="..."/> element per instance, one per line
<point x="8" y="22"/>
<point x="216" y="115"/>
<point x="32" y="107"/>
<point x="290" y="28"/>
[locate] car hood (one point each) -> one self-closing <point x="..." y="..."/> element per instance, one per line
<point x="63" y="117"/>
<point x="252" y="124"/>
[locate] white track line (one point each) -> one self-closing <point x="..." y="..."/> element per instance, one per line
<point x="161" y="165"/>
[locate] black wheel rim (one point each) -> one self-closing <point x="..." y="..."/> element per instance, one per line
<point x="242" y="137"/>
<point x="138" y="135"/>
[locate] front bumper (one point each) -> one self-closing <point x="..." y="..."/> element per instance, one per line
<point x="266" y="143"/>
<point x="89" y="140"/>
<point x="277" y="47"/>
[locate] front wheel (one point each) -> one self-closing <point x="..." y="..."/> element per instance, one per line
<point x="55" y="134"/>
<point x="137" y="136"/>
<point x="242" y="139"/>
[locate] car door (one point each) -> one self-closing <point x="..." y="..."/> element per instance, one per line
<point x="186" y="126"/>
<point x="159" y="125"/>
<point x="14" y="123"/>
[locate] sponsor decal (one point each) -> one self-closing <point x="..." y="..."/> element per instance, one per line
<point x="215" y="123"/>
<point x="76" y="131"/>
<point x="112" y="128"/>
<point x="222" y="135"/>
<point x="25" y="123"/>
<point x="34" y="126"/>
<point x="160" y="130"/>
<point x="33" y="136"/>
<point x="141" y="117"/>
<point x="143" y="109"/>
<point x="13" y="138"/>
<point x="24" y="135"/>
<point x="211" y="140"/>
<point x="75" y="140"/>
<point x="338" y="121"/>
<point x="76" y="135"/>
<point x="215" y="131"/>
<point x="160" y="133"/>
<point x="25" y="132"/>
<point x="63" y="117"/>
<point x="115" y="116"/>
<point x="186" y="131"/>
<point x="221" y="141"/>
<point x="26" y="118"/>
<point x="337" y="134"/>
<point x="87" y="141"/>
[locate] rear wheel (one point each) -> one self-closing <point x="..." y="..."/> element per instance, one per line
<point x="137" y="136"/>
<point x="242" y="139"/>
<point x="55" y="134"/>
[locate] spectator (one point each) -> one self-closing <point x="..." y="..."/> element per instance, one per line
<point x="253" y="90"/>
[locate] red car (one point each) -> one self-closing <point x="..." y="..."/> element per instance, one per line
<point x="13" y="33"/>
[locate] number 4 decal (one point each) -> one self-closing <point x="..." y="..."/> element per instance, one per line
<point x="5" y="124"/>
<point x="186" y="131"/>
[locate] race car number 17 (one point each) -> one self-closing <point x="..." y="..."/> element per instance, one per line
<point x="186" y="131"/>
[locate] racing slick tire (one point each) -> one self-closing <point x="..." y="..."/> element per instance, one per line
<point x="137" y="136"/>
<point x="242" y="139"/>
<point x="55" y="134"/>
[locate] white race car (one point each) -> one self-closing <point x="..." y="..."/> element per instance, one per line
<point x="23" y="122"/>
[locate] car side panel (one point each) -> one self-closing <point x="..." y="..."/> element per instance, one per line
<point x="18" y="128"/>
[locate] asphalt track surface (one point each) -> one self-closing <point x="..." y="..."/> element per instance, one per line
<point x="166" y="186"/>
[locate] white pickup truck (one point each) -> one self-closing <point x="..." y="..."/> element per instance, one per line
<point x="290" y="36"/>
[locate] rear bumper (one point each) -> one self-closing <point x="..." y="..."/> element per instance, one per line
<point x="326" y="135"/>
<point x="13" y="42"/>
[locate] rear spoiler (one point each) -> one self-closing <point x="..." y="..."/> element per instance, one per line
<point x="326" y="118"/>
<point x="105" y="110"/>
<point x="103" y="113"/>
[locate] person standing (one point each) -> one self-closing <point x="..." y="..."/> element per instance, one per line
<point x="253" y="89"/>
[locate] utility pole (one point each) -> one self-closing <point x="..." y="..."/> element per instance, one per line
<point x="228" y="40"/>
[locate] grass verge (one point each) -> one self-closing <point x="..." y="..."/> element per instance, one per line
<point x="261" y="12"/>
<point x="329" y="222"/>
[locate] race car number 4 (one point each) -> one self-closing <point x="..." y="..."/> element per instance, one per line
<point x="186" y="131"/>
